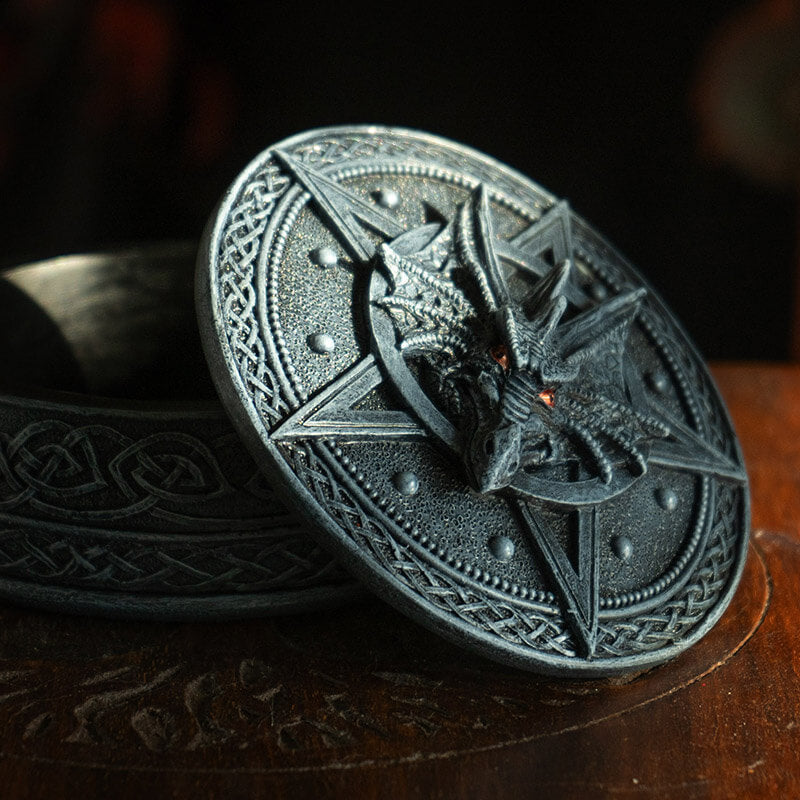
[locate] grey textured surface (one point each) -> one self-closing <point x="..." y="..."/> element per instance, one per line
<point x="566" y="560"/>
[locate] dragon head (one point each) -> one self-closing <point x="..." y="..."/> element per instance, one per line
<point x="542" y="387"/>
<point x="514" y="427"/>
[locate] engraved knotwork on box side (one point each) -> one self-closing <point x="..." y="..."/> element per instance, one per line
<point x="175" y="565"/>
<point x="96" y="472"/>
<point x="114" y="511"/>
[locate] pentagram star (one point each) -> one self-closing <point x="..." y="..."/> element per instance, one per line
<point x="333" y="414"/>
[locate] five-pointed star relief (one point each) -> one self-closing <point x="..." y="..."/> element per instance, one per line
<point x="332" y="414"/>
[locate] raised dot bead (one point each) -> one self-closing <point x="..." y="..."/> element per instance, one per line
<point x="667" y="499"/>
<point x="406" y="482"/>
<point x="622" y="547"/>
<point x="321" y="343"/>
<point x="388" y="198"/>
<point x="501" y="547"/>
<point x="324" y="257"/>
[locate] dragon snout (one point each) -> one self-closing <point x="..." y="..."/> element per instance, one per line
<point x="494" y="457"/>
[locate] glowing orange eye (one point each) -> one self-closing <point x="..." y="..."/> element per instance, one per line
<point x="548" y="397"/>
<point x="500" y="354"/>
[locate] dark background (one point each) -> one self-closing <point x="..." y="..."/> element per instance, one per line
<point x="124" y="121"/>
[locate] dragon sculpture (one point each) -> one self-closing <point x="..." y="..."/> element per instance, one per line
<point x="530" y="383"/>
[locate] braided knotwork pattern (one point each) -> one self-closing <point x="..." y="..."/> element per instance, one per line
<point x="99" y="474"/>
<point x="521" y="626"/>
<point x="188" y="566"/>
<point x="674" y="620"/>
<point x="660" y="628"/>
<point x="239" y="248"/>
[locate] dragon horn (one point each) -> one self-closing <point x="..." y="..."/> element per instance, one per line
<point x="484" y="239"/>
<point x="551" y="285"/>
<point x="547" y="300"/>
<point x="475" y="248"/>
<point x="508" y="325"/>
<point x="554" y="310"/>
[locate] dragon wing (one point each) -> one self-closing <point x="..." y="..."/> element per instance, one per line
<point x="600" y="330"/>
<point x="428" y="310"/>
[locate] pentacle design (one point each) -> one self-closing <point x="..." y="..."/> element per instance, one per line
<point x="492" y="419"/>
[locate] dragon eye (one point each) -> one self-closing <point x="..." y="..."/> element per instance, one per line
<point x="548" y="397"/>
<point x="500" y="354"/>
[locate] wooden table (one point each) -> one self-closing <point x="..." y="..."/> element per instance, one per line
<point x="361" y="703"/>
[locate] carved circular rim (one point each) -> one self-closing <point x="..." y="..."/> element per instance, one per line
<point x="257" y="406"/>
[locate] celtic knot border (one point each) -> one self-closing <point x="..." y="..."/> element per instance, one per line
<point x="40" y="472"/>
<point x="237" y="257"/>
<point x="546" y="632"/>
<point x="673" y="620"/>
<point x="540" y="630"/>
<point x="174" y="565"/>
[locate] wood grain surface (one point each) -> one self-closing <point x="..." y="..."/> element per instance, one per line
<point x="361" y="703"/>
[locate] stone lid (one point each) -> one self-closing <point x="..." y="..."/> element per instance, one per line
<point x="489" y="416"/>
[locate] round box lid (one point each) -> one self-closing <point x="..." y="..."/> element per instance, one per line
<point x="489" y="416"/>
